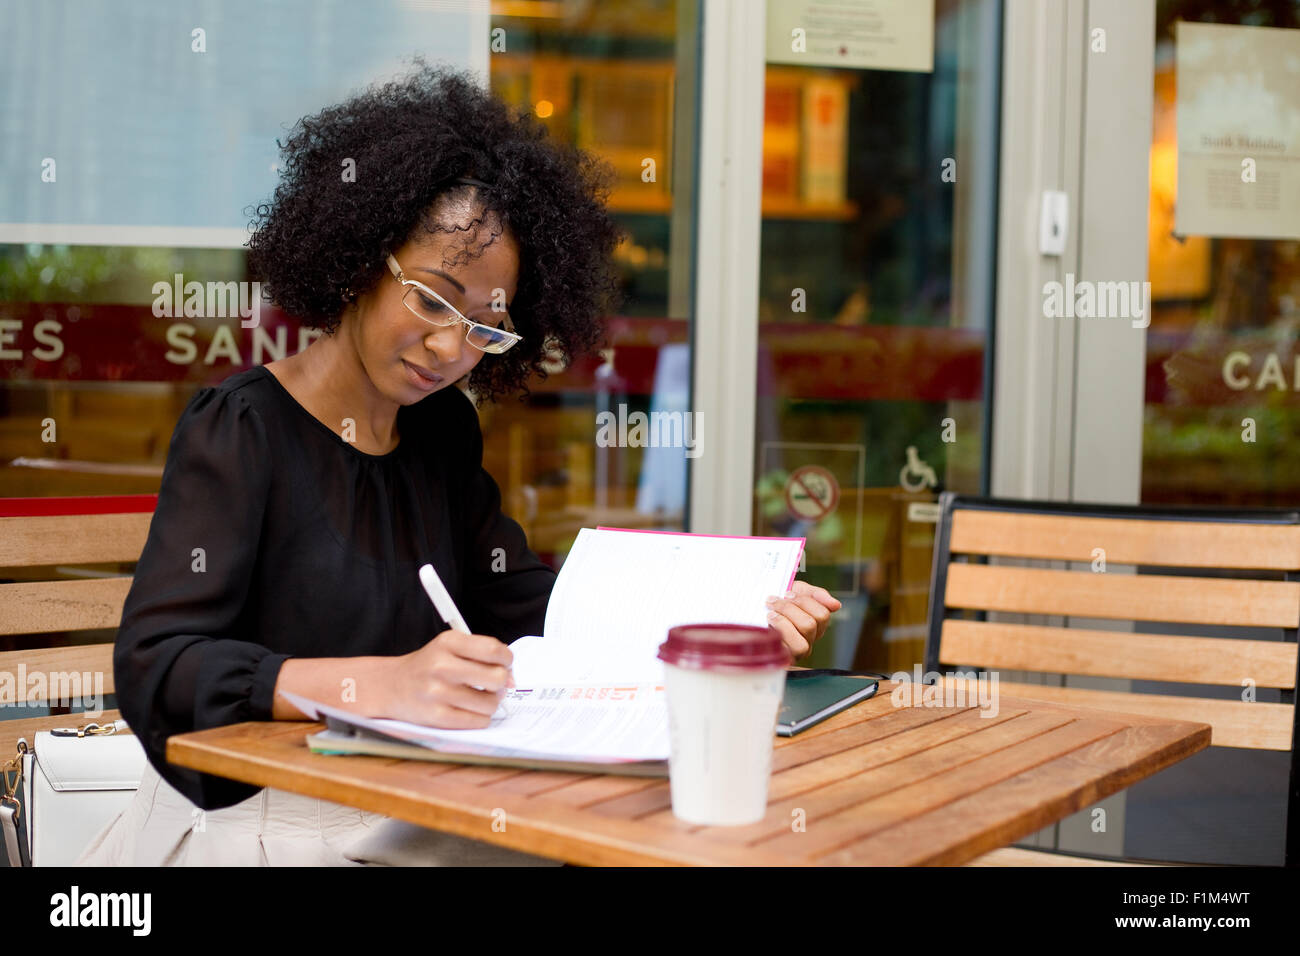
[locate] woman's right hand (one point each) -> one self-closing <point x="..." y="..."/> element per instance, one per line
<point x="437" y="685"/>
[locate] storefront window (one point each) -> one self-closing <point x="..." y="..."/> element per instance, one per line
<point x="92" y="379"/>
<point x="1221" y="380"/>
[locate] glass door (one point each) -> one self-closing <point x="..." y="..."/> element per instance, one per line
<point x="879" y="184"/>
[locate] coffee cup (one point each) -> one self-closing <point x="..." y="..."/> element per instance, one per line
<point x="724" y="684"/>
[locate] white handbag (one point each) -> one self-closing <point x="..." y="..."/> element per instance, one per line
<point x="74" y="780"/>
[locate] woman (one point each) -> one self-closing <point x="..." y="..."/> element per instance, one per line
<point x="431" y="235"/>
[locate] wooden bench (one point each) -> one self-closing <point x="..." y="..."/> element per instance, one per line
<point x="1261" y="548"/>
<point x="48" y="596"/>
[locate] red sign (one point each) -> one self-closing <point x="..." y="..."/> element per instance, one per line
<point x="89" y="342"/>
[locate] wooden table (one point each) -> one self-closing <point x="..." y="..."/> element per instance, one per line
<point x="874" y="785"/>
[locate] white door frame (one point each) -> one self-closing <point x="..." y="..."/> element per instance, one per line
<point x="724" y="347"/>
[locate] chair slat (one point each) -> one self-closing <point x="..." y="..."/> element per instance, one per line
<point x="80" y="659"/>
<point x="72" y="539"/>
<point x="1146" y="597"/>
<point x="1058" y="650"/>
<point x="62" y="605"/>
<point x="1234" y="723"/>
<point x="11" y="730"/>
<point x="1182" y="544"/>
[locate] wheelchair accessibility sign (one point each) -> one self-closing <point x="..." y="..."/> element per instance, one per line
<point x="811" y="493"/>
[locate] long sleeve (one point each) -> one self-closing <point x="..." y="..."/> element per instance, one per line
<point x="179" y="661"/>
<point x="505" y="586"/>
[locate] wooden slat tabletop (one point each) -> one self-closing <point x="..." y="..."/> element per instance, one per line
<point x="874" y="785"/>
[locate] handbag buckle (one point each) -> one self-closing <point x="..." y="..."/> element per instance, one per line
<point x="90" y="730"/>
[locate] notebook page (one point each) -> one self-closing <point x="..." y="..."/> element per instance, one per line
<point x="539" y="663"/>
<point x="620" y="591"/>
<point x="611" y="723"/>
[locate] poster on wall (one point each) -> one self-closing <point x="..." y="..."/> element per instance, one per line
<point x="1238" y="131"/>
<point x="865" y="34"/>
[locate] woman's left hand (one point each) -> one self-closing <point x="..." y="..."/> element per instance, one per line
<point x="802" y="616"/>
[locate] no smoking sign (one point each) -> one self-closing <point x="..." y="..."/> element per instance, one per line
<point x="811" y="493"/>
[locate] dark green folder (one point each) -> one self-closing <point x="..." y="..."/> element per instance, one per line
<point x="811" y="698"/>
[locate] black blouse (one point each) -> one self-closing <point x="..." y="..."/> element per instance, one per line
<point x="274" y="538"/>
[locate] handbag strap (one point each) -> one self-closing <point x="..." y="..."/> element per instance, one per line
<point x="14" y="833"/>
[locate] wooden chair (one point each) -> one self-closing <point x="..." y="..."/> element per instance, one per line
<point x="43" y="594"/>
<point x="1260" y="548"/>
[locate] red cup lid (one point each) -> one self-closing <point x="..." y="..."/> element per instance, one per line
<point x="724" y="647"/>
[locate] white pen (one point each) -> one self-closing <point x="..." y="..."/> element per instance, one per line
<point x="441" y="598"/>
<point x="442" y="601"/>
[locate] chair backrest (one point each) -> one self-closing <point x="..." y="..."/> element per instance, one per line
<point x="44" y="592"/>
<point x="1258" y="549"/>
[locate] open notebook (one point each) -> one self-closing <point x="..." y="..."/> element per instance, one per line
<point x="589" y="691"/>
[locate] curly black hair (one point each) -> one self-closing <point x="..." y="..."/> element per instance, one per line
<point x="411" y="139"/>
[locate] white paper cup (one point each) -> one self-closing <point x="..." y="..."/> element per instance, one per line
<point x="724" y="684"/>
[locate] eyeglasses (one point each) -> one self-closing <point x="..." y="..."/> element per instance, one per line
<point x="436" y="310"/>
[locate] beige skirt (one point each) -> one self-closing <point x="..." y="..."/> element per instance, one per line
<point x="161" y="827"/>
